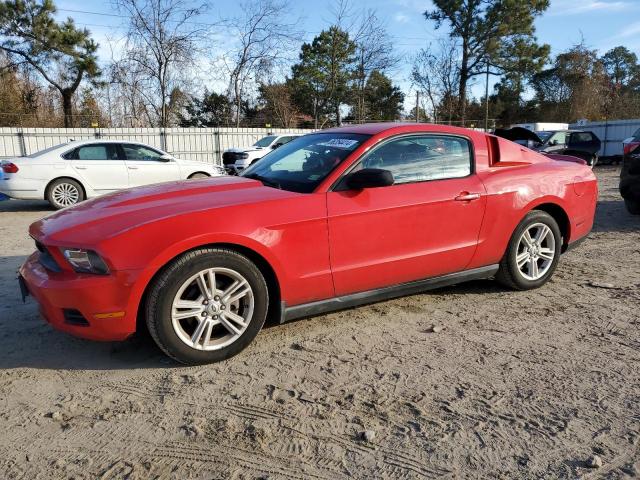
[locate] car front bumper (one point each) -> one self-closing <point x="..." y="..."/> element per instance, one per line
<point x="95" y="307"/>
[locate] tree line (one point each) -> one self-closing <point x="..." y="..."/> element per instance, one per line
<point x="50" y="74"/>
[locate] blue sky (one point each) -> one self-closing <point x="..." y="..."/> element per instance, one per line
<point x="602" y="24"/>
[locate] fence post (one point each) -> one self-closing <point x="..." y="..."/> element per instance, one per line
<point x="21" y="142"/>
<point x="163" y="139"/>
<point x="216" y="140"/>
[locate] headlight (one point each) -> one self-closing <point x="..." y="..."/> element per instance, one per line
<point x="85" y="261"/>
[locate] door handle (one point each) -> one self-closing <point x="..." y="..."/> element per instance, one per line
<point x="467" y="197"/>
<point x="132" y="168"/>
<point x="80" y="167"/>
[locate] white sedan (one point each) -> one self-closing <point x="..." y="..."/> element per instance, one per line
<point x="72" y="172"/>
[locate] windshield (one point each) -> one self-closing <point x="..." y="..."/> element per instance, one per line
<point x="301" y="164"/>
<point x="46" y="150"/>
<point x="265" y="142"/>
<point x="544" y="136"/>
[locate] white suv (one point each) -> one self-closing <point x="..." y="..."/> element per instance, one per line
<point x="237" y="159"/>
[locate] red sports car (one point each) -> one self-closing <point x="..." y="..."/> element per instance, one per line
<point x="331" y="220"/>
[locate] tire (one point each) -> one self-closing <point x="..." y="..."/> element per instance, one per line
<point x="198" y="175"/>
<point x="513" y="276"/>
<point x="594" y="161"/>
<point x="633" y="206"/>
<point x="64" y="192"/>
<point x="219" y="341"/>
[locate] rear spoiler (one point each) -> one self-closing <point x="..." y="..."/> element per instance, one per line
<point x="565" y="158"/>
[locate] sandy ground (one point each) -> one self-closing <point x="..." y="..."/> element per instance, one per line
<point x="516" y="385"/>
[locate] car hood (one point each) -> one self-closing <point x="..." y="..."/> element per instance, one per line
<point x="193" y="163"/>
<point x="245" y="150"/>
<point x="517" y="133"/>
<point x="104" y="217"/>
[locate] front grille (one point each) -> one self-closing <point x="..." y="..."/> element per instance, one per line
<point x="46" y="259"/>
<point x="74" y="317"/>
<point x="229" y="158"/>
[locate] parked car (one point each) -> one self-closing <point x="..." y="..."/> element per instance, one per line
<point x="576" y="143"/>
<point x="72" y="172"/>
<point x="235" y="160"/>
<point x="571" y="143"/>
<point x="630" y="174"/>
<point x="330" y="220"/>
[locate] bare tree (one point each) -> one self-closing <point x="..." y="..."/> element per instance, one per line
<point x="163" y="41"/>
<point x="374" y="52"/>
<point x="263" y="39"/>
<point x="278" y="102"/>
<point x="374" y="48"/>
<point x="437" y="74"/>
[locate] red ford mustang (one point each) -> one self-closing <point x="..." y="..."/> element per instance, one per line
<point x="330" y="220"/>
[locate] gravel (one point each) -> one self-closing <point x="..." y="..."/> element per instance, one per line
<point x="521" y="385"/>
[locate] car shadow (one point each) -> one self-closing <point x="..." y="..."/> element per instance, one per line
<point x="612" y="216"/>
<point x="27" y="341"/>
<point x="17" y="206"/>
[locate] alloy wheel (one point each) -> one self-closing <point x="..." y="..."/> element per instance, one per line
<point x="65" y="194"/>
<point x="536" y="251"/>
<point x="212" y="309"/>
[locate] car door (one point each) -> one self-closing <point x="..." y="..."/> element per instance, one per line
<point x="583" y="144"/>
<point x="557" y="143"/>
<point x="147" y="165"/>
<point x="100" y="165"/>
<point x="426" y="224"/>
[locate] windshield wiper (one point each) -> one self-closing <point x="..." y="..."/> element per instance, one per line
<point x="265" y="181"/>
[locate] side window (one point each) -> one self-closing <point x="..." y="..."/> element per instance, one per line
<point x="580" y="137"/>
<point x="421" y="158"/>
<point x="140" y="152"/>
<point x="105" y="151"/>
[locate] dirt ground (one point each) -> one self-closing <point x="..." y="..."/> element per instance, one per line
<point x="515" y="385"/>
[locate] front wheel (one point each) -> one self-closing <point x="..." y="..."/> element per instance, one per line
<point x="533" y="252"/>
<point x="64" y="192"/>
<point x="206" y="306"/>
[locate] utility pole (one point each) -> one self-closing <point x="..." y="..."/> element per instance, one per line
<point x="417" y="106"/>
<point x="486" y="100"/>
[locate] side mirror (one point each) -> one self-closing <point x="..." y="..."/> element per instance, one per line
<point x="165" y="158"/>
<point x="369" y="178"/>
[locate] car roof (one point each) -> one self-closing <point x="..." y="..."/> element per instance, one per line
<point x="376" y="128"/>
<point x="568" y="131"/>
<point x="75" y="143"/>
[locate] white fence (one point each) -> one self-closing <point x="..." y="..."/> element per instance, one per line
<point x="610" y="132"/>
<point x="203" y="144"/>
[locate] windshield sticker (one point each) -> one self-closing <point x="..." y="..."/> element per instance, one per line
<point x="343" y="143"/>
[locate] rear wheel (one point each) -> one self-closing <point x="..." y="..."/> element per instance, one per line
<point x="207" y="306"/>
<point x="633" y="206"/>
<point x="533" y="252"/>
<point x="64" y="192"/>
